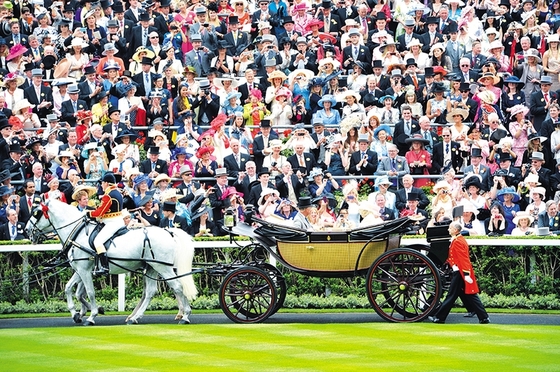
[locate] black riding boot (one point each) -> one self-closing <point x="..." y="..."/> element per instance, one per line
<point x="103" y="267"/>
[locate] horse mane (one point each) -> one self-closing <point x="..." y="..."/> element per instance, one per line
<point x="63" y="210"/>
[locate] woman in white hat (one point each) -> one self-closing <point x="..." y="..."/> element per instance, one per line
<point x="351" y="105"/>
<point x="22" y="110"/>
<point x="12" y="93"/>
<point x="538" y="195"/>
<point x="531" y="72"/>
<point x="520" y="128"/>
<point x="76" y="58"/>
<point x="439" y="57"/>
<point x="443" y="198"/>
<point x="337" y="157"/>
<point x="268" y="202"/>
<point x="95" y="164"/>
<point x="471" y="224"/>
<point x="523" y="224"/>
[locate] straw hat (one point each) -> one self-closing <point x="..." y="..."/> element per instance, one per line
<point x="13" y="76"/>
<point x="89" y="189"/>
<point x="141" y="49"/>
<point x="63" y="154"/>
<point x="276" y="74"/>
<point x="457" y="111"/>
<point x="441" y="185"/>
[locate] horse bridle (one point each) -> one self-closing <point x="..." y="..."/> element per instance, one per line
<point x="42" y="210"/>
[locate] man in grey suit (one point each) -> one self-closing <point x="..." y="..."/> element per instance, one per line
<point x="199" y="56"/>
<point x="550" y="217"/>
<point x="300" y="219"/>
<point x="482" y="170"/>
<point x="454" y="49"/>
<point x="393" y="166"/>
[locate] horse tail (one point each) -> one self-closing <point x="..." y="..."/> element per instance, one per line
<point x="184" y="255"/>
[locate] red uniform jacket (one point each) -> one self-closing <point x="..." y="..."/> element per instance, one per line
<point x="111" y="202"/>
<point x="459" y="255"/>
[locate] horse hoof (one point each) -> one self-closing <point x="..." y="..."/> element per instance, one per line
<point x="178" y="317"/>
<point x="131" y="322"/>
<point x="88" y="323"/>
<point x="184" y="321"/>
<point x="101" y="310"/>
<point x="77" y="318"/>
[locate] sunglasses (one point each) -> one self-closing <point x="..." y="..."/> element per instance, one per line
<point x="465" y="65"/>
<point x="446" y="135"/>
<point x="154" y="37"/>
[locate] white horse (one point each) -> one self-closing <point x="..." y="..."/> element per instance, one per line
<point x="153" y="250"/>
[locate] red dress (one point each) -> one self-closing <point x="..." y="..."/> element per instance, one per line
<point x="421" y="156"/>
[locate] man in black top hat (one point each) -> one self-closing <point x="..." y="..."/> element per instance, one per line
<point x="300" y="220"/>
<point x="144" y="80"/>
<point x="18" y="168"/>
<point x="208" y="104"/>
<point x="153" y="166"/>
<point x="6" y="138"/>
<point x="481" y="170"/>
<point x="381" y="25"/>
<point x="364" y="161"/>
<point x="236" y="37"/>
<point x="170" y="219"/>
<point x="454" y="49"/>
<point x="90" y="87"/>
<point x="261" y="143"/>
<point x="432" y="36"/>
<point x="331" y="21"/>
<point x="506" y="175"/>
<point x="140" y="33"/>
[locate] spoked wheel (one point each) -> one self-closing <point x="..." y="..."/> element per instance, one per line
<point x="403" y="285"/>
<point x="280" y="284"/>
<point x="248" y="295"/>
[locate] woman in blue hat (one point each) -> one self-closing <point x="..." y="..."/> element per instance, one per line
<point x="327" y="114"/>
<point x="512" y="95"/>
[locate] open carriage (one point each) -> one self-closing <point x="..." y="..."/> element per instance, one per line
<point x="403" y="284"/>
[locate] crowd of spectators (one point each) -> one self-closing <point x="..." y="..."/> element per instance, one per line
<point x="202" y="107"/>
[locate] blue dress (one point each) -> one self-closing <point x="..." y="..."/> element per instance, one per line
<point x="335" y="167"/>
<point x="304" y="92"/>
<point x="333" y="119"/>
<point x="518" y="99"/>
<point x="509" y="216"/>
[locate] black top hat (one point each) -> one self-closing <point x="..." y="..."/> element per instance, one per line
<point x="147" y="61"/>
<point x="113" y="109"/>
<point x="49" y="62"/>
<point x="109" y="177"/>
<point x="263" y="171"/>
<point x="381" y="16"/>
<point x="118" y="7"/>
<point x="28" y="67"/>
<point x="233" y="20"/>
<point x="411" y="62"/>
<point x="16" y="147"/>
<point x="4" y="122"/>
<point x="464" y="86"/>
<point x="223" y="44"/>
<point x="68" y="8"/>
<point x="413" y="196"/>
<point x="377" y="63"/>
<point x="265" y="123"/>
<point x="169" y="206"/>
<point x="89" y="70"/>
<point x="164" y="3"/>
<point x="453" y="28"/>
<point x="153" y="150"/>
<point x="105" y="4"/>
<point x="288" y="19"/>
<point x="305" y="202"/>
<point x="144" y="17"/>
<point x="432" y="20"/>
<point x="429" y="71"/>
<point x="326" y="4"/>
<point x="476" y="153"/>
<point x="438" y="88"/>
<point x="504" y="156"/>
<point x="504" y="3"/>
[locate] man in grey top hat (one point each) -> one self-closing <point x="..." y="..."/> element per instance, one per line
<point x="199" y="57"/>
<point x="39" y="95"/>
<point x="305" y="58"/>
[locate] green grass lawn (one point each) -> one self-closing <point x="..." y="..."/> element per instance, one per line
<point x="283" y="347"/>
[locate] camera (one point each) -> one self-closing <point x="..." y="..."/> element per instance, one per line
<point x="301" y="134"/>
<point x="526" y="165"/>
<point x="274" y="164"/>
<point x="206" y="92"/>
<point x="501" y="173"/>
<point x="173" y="28"/>
<point x="205" y="24"/>
<point x="201" y="49"/>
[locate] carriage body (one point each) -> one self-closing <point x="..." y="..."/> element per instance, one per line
<point x="403" y="284"/>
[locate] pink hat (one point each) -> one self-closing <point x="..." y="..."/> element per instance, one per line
<point x="300" y="6"/>
<point x="257" y="93"/>
<point x="283" y="92"/>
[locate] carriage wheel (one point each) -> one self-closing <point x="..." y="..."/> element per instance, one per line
<point x="280" y="284"/>
<point x="403" y="285"/>
<point x="248" y="295"/>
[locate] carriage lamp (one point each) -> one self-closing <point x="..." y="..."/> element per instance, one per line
<point x="249" y="212"/>
<point x="229" y="218"/>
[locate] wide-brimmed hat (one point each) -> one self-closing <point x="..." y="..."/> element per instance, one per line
<point x="89" y="189"/>
<point x="63" y="154"/>
<point x="277" y="74"/>
<point x="380" y="128"/>
<point x="554" y="38"/>
<point x="219" y="82"/>
<point x="472" y="179"/>
<point x="386" y="44"/>
<point x="512" y="79"/>
<point x="522" y="215"/>
<point x="276" y="143"/>
<point x="267" y="191"/>
<point x="508" y="190"/>
<point x="16" y="51"/>
<point x="13" y="76"/>
<point x="457" y="111"/>
<point x="496" y="44"/>
<point x="438" y="88"/>
<point x="5" y="190"/>
<point x="417" y="138"/>
<point x="200" y="211"/>
<point x="78" y="41"/>
<point x="19" y="105"/>
<point x="327" y="98"/>
<point x="308" y="74"/>
<point x="141" y="49"/>
<point x="330" y="60"/>
<point x="283" y="92"/>
<point x="532" y="178"/>
<point x="414" y="42"/>
<point x="519" y="108"/>
<point x="539" y="190"/>
<point x="532" y="52"/>
<point x="441" y="185"/>
<point x="533" y="136"/>
<point x="348" y="93"/>
<point x="383" y="180"/>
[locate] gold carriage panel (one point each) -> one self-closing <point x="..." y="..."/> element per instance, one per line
<point x="329" y="256"/>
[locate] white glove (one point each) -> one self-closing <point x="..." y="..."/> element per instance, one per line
<point x="455" y="268"/>
<point x="468" y="279"/>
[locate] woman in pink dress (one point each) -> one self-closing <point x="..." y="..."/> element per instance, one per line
<point x="419" y="160"/>
<point x="520" y="129"/>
